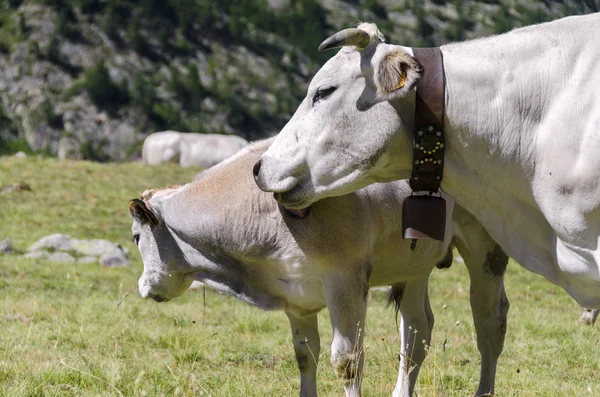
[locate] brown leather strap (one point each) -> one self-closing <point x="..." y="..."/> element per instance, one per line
<point x="428" y="142"/>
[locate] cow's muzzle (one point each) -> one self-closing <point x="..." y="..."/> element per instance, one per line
<point x="268" y="182"/>
<point x="158" y="298"/>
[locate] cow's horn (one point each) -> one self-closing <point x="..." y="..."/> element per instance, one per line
<point x="347" y="37"/>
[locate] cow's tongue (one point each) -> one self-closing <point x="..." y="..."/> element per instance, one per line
<point x="298" y="213"/>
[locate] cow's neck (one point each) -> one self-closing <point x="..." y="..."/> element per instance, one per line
<point x="491" y="120"/>
<point x="216" y="229"/>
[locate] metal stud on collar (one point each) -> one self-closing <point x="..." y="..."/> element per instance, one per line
<point x="428" y="158"/>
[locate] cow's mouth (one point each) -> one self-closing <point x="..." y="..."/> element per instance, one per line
<point x="294" y="208"/>
<point x="298" y="213"/>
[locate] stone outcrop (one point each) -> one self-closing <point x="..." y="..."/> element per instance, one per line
<point x="64" y="248"/>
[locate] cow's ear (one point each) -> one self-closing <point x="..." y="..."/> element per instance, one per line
<point x="141" y="212"/>
<point x="396" y="74"/>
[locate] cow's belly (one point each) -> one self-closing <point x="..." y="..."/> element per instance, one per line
<point x="527" y="236"/>
<point x="580" y="274"/>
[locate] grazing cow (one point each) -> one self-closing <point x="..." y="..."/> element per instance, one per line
<point x="222" y="230"/>
<point x="190" y="149"/>
<point x="522" y="138"/>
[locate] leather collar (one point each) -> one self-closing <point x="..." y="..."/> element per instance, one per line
<point x="428" y="134"/>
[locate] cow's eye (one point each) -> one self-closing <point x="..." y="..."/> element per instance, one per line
<point x="136" y="238"/>
<point x="323" y="93"/>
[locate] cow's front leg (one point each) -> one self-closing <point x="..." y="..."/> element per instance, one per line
<point x="486" y="263"/>
<point x="305" y="335"/>
<point x="346" y="295"/>
<point x="415" y="332"/>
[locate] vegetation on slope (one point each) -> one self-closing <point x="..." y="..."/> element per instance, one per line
<point x="91" y="78"/>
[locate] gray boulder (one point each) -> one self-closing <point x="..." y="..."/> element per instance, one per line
<point x="53" y="242"/>
<point x="95" y="247"/>
<point x="41" y="254"/>
<point x="62" y="257"/>
<point x="64" y="248"/>
<point x="6" y="246"/>
<point x="87" y="259"/>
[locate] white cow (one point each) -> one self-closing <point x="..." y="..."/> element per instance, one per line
<point x="522" y="126"/>
<point x="206" y="150"/>
<point x="222" y="230"/>
<point x="190" y="149"/>
<point x="161" y="147"/>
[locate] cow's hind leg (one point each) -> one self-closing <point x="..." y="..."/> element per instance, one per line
<point x="486" y="263"/>
<point x="416" y="324"/>
<point x="305" y="335"/>
<point x="346" y="295"/>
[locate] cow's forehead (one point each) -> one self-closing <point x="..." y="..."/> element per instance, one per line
<point x="344" y="65"/>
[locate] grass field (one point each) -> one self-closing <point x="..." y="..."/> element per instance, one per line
<point x="82" y="330"/>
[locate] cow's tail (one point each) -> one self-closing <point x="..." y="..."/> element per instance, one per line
<point x="395" y="297"/>
<point x="397" y="290"/>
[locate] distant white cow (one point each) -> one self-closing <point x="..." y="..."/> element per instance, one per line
<point x="522" y="120"/>
<point x="190" y="149"/>
<point x="206" y="150"/>
<point x="222" y="230"/>
<point x="162" y="147"/>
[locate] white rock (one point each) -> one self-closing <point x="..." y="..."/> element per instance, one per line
<point x="61" y="257"/>
<point x="95" y="247"/>
<point x="57" y="242"/>
<point x="41" y="254"/>
<point x="87" y="259"/>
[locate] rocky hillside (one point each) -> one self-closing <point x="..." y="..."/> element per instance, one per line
<point x="91" y="78"/>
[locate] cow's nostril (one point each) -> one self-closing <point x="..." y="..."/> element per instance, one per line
<point x="256" y="169"/>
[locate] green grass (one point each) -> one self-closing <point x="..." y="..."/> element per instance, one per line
<point x="82" y="330"/>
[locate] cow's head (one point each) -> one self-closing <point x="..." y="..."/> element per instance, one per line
<point x="164" y="272"/>
<point x="351" y="129"/>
